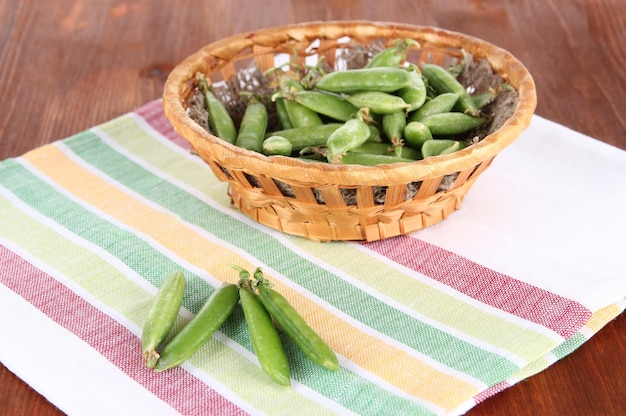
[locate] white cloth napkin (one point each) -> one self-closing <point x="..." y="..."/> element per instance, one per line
<point x="547" y="214"/>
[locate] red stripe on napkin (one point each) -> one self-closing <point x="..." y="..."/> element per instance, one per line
<point x="176" y="387"/>
<point x="152" y="112"/>
<point x="491" y="391"/>
<point x="563" y="316"/>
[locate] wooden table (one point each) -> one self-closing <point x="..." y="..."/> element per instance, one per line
<point x="68" y="65"/>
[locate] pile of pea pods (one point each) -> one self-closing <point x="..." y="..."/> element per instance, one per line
<point x="262" y="306"/>
<point x="389" y="111"/>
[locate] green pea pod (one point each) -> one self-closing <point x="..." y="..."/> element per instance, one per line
<point x="416" y="134"/>
<point x="301" y="137"/>
<point x="378" y="102"/>
<point x="446" y="124"/>
<point x="253" y="126"/>
<point x="265" y="339"/>
<point x="443" y="81"/>
<point x="352" y="134"/>
<point x="369" y="159"/>
<point x="281" y="112"/>
<point x="162" y="316"/>
<point x="393" y="126"/>
<point x="299" y="115"/>
<point x="442" y="103"/>
<point x="392" y="56"/>
<point x="220" y="121"/>
<point x="437" y="147"/>
<point x="481" y="100"/>
<point x="388" y="149"/>
<point x="200" y="328"/>
<point x="219" y="118"/>
<point x="311" y="158"/>
<point x="375" y="135"/>
<point x="330" y="105"/>
<point x="277" y="145"/>
<point x="406" y="152"/>
<point x="365" y="79"/>
<point x="302" y="116"/>
<point x="295" y="326"/>
<point x="415" y="95"/>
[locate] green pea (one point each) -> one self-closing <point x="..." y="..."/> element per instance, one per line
<point x="369" y="159"/>
<point x="265" y="339"/>
<point x="393" y="126"/>
<point x="374" y="148"/>
<point x="162" y="316"/>
<point x="437" y="147"/>
<point x="414" y="95"/>
<point x="392" y="56"/>
<point x="302" y="116"/>
<point x="378" y="102"/>
<point x="375" y="135"/>
<point x="330" y="105"/>
<point x="416" y="134"/>
<point x="443" y="81"/>
<point x="302" y="137"/>
<point x="481" y="100"/>
<point x="295" y="326"/>
<point x="277" y="145"/>
<point x="445" y="124"/>
<point x="253" y="126"/>
<point x="365" y="79"/>
<point x="200" y="328"/>
<point x="388" y="149"/>
<point x="299" y="115"/>
<point x="220" y="121"/>
<point x="407" y="152"/>
<point x="351" y="134"/>
<point x="281" y="112"/>
<point x="442" y="103"/>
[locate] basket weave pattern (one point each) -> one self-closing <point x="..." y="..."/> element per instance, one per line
<point x="315" y="205"/>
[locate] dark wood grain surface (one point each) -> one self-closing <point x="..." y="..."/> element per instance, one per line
<point x="69" y="65"/>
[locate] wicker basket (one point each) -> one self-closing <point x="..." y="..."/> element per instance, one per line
<point x="316" y="206"/>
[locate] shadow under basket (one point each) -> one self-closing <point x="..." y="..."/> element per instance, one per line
<point x="326" y="202"/>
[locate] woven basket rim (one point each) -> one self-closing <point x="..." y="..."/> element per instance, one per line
<point x="502" y="61"/>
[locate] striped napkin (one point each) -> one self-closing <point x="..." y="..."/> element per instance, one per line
<point x="426" y="324"/>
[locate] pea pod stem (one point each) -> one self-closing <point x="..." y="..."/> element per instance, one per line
<point x="162" y="316"/>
